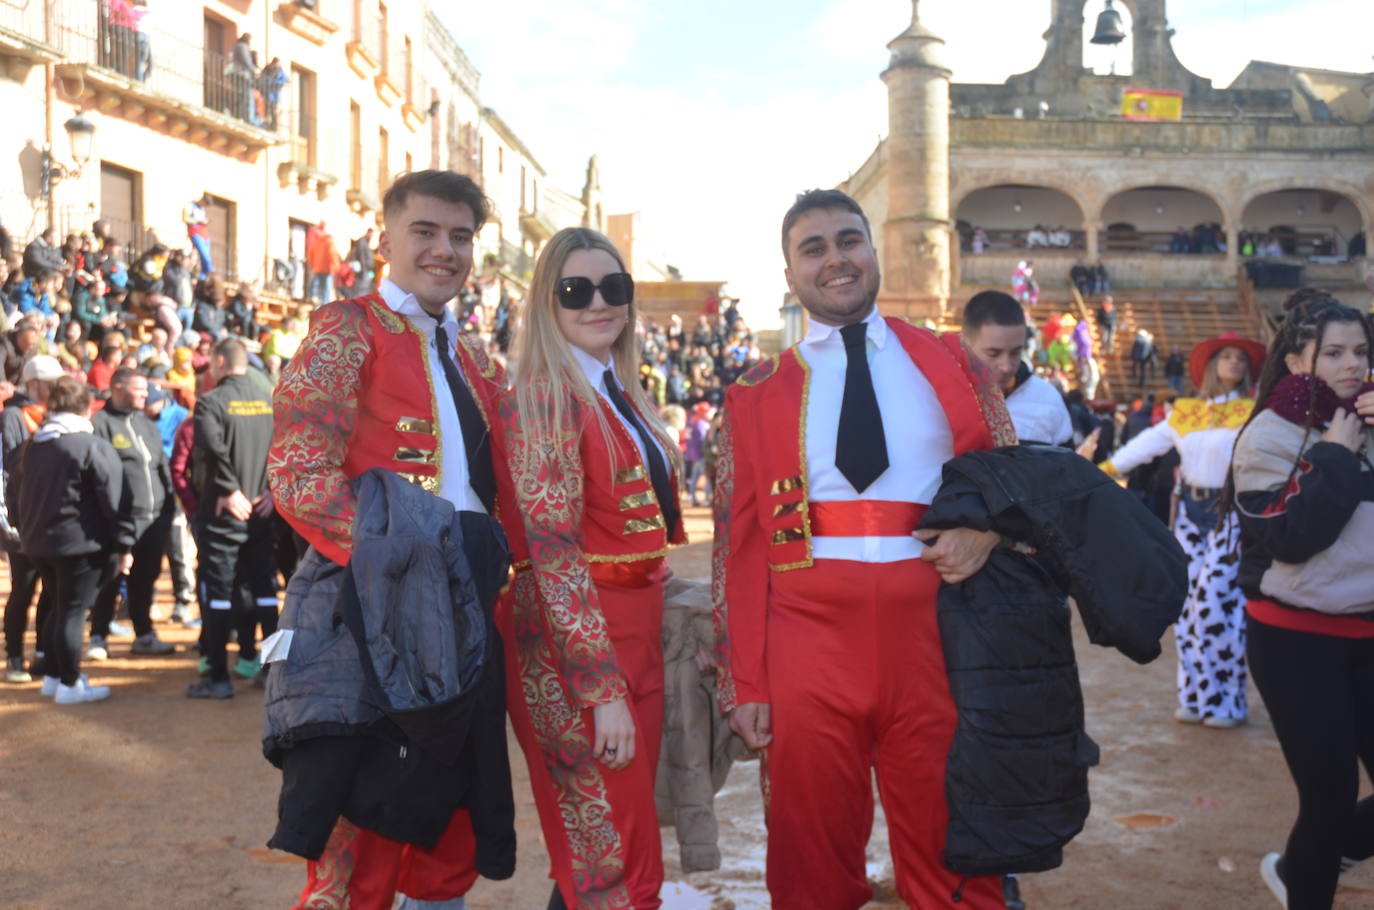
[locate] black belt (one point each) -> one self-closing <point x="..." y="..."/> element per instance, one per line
<point x="1200" y="494"/>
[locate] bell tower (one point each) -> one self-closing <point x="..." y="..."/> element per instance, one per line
<point x="916" y="251"/>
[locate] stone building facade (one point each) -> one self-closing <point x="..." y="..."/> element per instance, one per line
<point x="1282" y="150"/>
<point x="372" y="89"/>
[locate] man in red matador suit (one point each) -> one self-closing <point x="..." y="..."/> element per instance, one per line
<point x="825" y="602"/>
<point x="387" y="381"/>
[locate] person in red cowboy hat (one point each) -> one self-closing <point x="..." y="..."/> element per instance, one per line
<point x="1210" y="633"/>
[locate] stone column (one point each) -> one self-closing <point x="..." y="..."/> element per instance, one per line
<point x="1090" y="241"/>
<point x="916" y="260"/>
<point x="1232" y="249"/>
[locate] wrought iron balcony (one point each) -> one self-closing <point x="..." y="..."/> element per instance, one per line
<point x="161" y="81"/>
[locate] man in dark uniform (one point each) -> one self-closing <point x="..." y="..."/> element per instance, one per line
<point x="148" y="487"/>
<point x="233" y="432"/>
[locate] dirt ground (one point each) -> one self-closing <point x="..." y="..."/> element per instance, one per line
<point x="152" y="800"/>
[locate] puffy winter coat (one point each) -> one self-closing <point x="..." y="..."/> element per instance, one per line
<point x="1016" y="780"/>
<point x="388" y="706"/>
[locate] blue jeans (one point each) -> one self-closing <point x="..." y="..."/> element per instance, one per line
<point x="143" y="56"/>
<point x="321" y="287"/>
<point x="695" y="471"/>
<point x="202" y="245"/>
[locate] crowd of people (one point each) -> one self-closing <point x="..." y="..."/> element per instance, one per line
<point x="112" y="365"/>
<point x="456" y="537"/>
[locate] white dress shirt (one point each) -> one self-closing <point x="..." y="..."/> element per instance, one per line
<point x="918" y="434"/>
<point x="595" y="372"/>
<point x="454" y="480"/>
<point x="1039" y="414"/>
<point x="1204" y="455"/>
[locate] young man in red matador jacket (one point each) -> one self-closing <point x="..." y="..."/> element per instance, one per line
<point x="825" y="599"/>
<point x="387" y="381"/>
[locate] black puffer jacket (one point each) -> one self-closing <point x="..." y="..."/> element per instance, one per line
<point x="389" y="707"/>
<point x="1017" y="778"/>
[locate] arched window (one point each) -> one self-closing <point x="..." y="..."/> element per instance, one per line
<point x="1162" y="219"/>
<point x="1301" y="222"/>
<point x="1015" y="216"/>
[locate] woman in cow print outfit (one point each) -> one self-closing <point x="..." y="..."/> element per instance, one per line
<point x="1210" y="633"/>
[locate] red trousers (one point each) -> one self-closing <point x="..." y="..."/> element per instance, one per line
<point x="600" y="826"/>
<point x="858" y="684"/>
<point x="362" y="870"/>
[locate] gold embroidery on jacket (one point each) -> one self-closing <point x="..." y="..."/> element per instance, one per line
<point x="415" y="425"/>
<point x="426" y="482"/>
<point x="637" y="500"/>
<point x="640" y="525"/>
<point x="804" y="531"/>
<point x="630" y="475"/>
<point x="415" y="456"/>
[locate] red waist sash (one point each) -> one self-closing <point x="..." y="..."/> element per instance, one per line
<point x="865" y="518"/>
<point x="638" y="574"/>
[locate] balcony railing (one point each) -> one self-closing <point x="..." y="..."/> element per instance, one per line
<point x="226" y="260"/>
<point x="332" y="10"/>
<point x="23" y="16"/>
<point x="158" y="61"/>
<point x="367" y="32"/>
<point x="516" y="260"/>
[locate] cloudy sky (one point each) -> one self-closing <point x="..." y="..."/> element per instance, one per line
<point x="710" y="115"/>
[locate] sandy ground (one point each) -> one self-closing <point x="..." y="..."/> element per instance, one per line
<point x="152" y="800"/>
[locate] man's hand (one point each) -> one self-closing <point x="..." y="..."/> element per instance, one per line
<point x="236" y="504"/>
<point x="959" y="553"/>
<point x="754" y="722"/>
<point x="262" y="506"/>
<point x="124" y="563"/>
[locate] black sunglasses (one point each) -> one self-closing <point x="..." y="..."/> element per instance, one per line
<point x="575" y="292"/>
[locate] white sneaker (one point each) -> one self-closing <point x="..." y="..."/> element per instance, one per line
<point x="97" y="649"/>
<point x="1223" y="723"/>
<point x="1187" y="716"/>
<point x="50" y="684"/>
<point x="81" y="692"/>
<point x="1269" y="872"/>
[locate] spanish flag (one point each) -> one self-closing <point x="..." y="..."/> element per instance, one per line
<point x="1151" y="104"/>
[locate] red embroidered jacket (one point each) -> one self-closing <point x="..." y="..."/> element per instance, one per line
<point x="761" y="495"/>
<point x="566" y="507"/>
<point x="357" y="395"/>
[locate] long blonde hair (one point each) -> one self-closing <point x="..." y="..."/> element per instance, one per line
<point x="547" y="375"/>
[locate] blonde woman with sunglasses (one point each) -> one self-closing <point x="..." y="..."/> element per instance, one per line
<point x="590" y="506"/>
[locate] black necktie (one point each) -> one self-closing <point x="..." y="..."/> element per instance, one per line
<point x="658" y="468"/>
<point x="476" y="439"/>
<point x="860" y="445"/>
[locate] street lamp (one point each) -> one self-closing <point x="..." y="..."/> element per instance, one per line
<point x="81" y="136"/>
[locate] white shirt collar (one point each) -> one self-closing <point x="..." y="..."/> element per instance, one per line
<point x="591" y="367"/>
<point x="398" y="301"/>
<point x="820" y="333"/>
